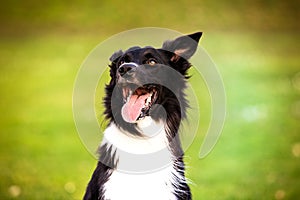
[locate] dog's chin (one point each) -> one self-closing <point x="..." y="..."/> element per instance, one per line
<point x="137" y="102"/>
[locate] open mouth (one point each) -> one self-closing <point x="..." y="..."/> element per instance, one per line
<point x="137" y="102"/>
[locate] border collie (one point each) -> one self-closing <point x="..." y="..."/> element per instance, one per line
<point x="141" y="155"/>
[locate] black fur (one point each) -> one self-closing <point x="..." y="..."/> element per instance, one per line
<point x="174" y="54"/>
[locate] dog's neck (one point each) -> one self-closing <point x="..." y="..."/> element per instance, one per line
<point x="144" y="165"/>
<point x="150" y="128"/>
<point x="138" y="154"/>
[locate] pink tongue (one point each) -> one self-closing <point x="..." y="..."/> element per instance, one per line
<point x="132" y="108"/>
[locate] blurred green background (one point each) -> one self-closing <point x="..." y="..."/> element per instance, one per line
<point x="255" y="44"/>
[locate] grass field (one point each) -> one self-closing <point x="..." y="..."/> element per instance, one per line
<point x="255" y="46"/>
<point x="257" y="156"/>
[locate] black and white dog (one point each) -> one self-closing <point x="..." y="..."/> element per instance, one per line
<point x="141" y="155"/>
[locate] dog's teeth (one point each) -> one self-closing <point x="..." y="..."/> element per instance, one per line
<point x="129" y="95"/>
<point x="148" y="100"/>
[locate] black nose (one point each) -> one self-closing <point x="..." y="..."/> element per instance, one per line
<point x="127" y="68"/>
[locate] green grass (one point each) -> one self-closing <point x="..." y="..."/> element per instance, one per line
<point x="41" y="153"/>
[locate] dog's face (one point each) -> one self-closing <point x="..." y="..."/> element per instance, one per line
<point x="137" y="78"/>
<point x="149" y="82"/>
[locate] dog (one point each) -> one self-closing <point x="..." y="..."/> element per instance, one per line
<point x="141" y="155"/>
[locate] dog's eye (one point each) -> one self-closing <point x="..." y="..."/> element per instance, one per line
<point x="151" y="61"/>
<point x="121" y="62"/>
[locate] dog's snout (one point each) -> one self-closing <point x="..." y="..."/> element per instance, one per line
<point x="124" y="69"/>
<point x="127" y="68"/>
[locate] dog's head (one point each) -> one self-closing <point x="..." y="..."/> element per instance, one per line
<point x="149" y="82"/>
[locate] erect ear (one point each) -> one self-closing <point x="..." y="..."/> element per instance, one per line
<point x="184" y="46"/>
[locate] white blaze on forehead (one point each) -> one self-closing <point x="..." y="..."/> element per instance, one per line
<point x="129" y="63"/>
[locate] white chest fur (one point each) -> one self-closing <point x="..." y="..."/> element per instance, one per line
<point x="144" y="169"/>
<point x="148" y="186"/>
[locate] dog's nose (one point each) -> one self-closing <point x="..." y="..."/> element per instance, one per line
<point x="127" y="68"/>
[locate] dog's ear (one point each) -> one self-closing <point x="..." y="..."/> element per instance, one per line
<point x="116" y="55"/>
<point x="113" y="66"/>
<point x="184" y="46"/>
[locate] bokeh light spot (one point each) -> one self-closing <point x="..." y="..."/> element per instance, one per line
<point x="70" y="187"/>
<point x="253" y="113"/>
<point x="296" y="81"/>
<point x="296" y="150"/>
<point x="14" y="190"/>
<point x="279" y="194"/>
